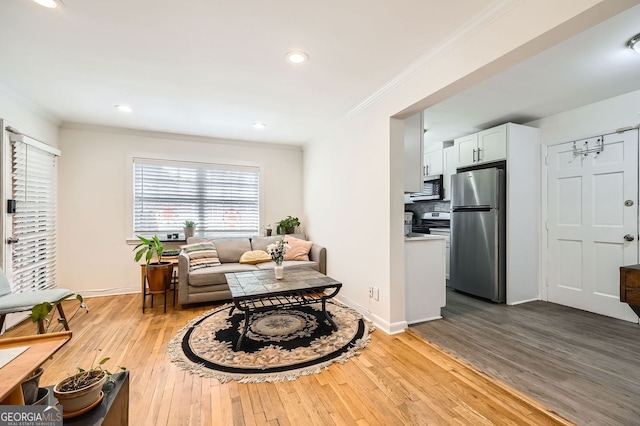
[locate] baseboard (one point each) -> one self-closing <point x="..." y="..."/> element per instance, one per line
<point x="380" y="323"/>
<point x="520" y="302"/>
<point x="436" y="317"/>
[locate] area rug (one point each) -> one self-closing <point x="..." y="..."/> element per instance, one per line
<point x="280" y="345"/>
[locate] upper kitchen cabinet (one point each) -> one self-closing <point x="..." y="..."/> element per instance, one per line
<point x="413" y="153"/>
<point x="482" y="147"/>
<point x="434" y="162"/>
<point x="449" y="160"/>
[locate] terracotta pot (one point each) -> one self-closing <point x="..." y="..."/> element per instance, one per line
<point x="159" y="276"/>
<point x="78" y="399"/>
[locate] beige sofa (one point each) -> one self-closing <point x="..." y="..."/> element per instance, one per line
<point x="209" y="284"/>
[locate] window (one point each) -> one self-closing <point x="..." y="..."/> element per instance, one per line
<point x="223" y="200"/>
<point x="34" y="185"/>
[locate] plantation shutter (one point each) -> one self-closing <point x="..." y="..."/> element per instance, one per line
<point x="34" y="185"/>
<point x="223" y="200"/>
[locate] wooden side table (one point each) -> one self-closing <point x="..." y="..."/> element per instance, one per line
<point x="41" y="348"/>
<point x="145" y="288"/>
<point x="630" y="286"/>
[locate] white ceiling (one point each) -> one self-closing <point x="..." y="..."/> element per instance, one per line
<point x="211" y="68"/>
<point x="587" y="68"/>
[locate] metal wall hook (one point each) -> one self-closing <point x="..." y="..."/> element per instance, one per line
<point x="586" y="150"/>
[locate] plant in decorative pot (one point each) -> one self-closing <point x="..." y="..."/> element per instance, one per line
<point x="82" y="390"/>
<point x="159" y="272"/>
<point x="189" y="228"/>
<point x="288" y="225"/>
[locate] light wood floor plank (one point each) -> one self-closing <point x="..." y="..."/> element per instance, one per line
<point x="397" y="380"/>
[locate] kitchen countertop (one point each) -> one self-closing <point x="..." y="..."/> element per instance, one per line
<point x="424" y="237"/>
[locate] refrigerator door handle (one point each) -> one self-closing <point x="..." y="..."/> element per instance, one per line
<point x="474" y="155"/>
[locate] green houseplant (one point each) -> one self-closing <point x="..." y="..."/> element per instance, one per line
<point x="159" y="272"/>
<point x="83" y="389"/>
<point x="189" y="228"/>
<point x="288" y="225"/>
<point x="40" y="314"/>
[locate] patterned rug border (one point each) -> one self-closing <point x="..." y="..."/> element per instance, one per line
<point x="177" y="355"/>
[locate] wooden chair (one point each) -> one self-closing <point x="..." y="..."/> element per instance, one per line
<point x="21" y="302"/>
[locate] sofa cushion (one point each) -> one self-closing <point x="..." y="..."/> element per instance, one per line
<point x="290" y="264"/>
<point x="261" y="243"/>
<point x="298" y="249"/>
<point x="230" y="249"/>
<point x="214" y="275"/>
<point x="201" y="255"/>
<point x="254" y="256"/>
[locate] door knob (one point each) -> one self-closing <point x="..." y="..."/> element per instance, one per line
<point x="629" y="237"/>
<point x="12" y="240"/>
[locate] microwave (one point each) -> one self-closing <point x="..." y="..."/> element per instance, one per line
<point x="432" y="189"/>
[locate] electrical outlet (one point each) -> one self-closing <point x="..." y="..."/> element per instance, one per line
<point x="370" y="292"/>
<point x="376" y="293"/>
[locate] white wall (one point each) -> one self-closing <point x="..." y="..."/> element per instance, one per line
<point x="95" y="191"/>
<point x="20" y="113"/>
<point x="353" y="191"/>
<point x="590" y="120"/>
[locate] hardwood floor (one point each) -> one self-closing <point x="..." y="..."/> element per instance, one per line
<point x="397" y="380"/>
<point x="582" y="365"/>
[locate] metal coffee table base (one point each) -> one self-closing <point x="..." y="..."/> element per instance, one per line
<point x="298" y="300"/>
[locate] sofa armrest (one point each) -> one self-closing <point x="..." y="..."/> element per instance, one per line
<point x="319" y="254"/>
<point x="183" y="278"/>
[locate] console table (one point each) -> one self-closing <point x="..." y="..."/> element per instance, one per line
<point x="260" y="291"/>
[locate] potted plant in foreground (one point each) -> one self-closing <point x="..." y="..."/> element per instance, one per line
<point x="83" y="389"/>
<point x="159" y="272"/>
<point x="189" y="228"/>
<point x="288" y="225"/>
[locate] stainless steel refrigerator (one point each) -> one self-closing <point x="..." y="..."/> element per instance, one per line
<point x="478" y="231"/>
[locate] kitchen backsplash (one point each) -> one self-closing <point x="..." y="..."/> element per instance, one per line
<point x="420" y="207"/>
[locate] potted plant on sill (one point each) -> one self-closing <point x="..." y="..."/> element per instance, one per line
<point x="189" y="228"/>
<point x="288" y="225"/>
<point x="159" y="272"/>
<point x="83" y="389"/>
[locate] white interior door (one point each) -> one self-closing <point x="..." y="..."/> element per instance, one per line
<point x="587" y="222"/>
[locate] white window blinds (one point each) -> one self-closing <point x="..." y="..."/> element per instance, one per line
<point x="222" y="200"/>
<point x="34" y="182"/>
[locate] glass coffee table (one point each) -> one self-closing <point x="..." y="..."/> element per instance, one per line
<point x="260" y="291"/>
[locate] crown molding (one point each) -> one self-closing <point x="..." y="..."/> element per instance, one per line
<point x="30" y="105"/>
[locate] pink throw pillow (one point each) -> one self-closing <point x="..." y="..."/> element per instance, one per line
<point x="298" y="249"/>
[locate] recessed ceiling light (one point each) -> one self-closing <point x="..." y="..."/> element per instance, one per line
<point x="258" y="125"/>
<point x="634" y="43"/>
<point x="51" y="4"/>
<point x="297" y="57"/>
<point x="124" y="108"/>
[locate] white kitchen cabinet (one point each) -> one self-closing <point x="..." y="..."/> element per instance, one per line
<point x="450" y="162"/>
<point x="413" y="153"/>
<point x="492" y="144"/>
<point x="433" y="162"/>
<point x="425" y="284"/>
<point x="466" y="148"/>
<point x="482" y="147"/>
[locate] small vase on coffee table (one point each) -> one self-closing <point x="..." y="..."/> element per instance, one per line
<point x="279" y="271"/>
